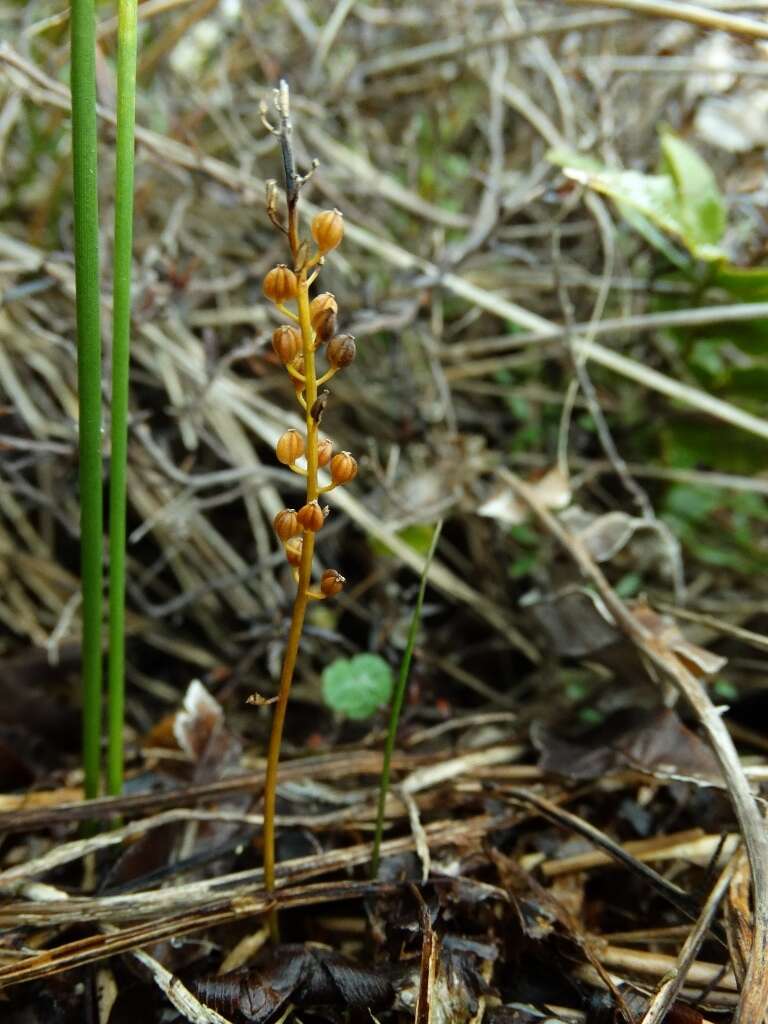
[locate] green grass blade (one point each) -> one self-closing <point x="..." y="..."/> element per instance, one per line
<point x="397" y="702"/>
<point x="86" y="211"/>
<point x="121" y="338"/>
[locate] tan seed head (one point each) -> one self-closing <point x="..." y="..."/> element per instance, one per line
<point x="343" y="468"/>
<point x="341" y="350"/>
<point x="324" y="451"/>
<point x="290" y="447"/>
<point x="328" y="230"/>
<point x="323" y="310"/>
<point x="286" y="524"/>
<point x="286" y="341"/>
<point x="331" y="582"/>
<point x="311" y="516"/>
<point x="280" y="284"/>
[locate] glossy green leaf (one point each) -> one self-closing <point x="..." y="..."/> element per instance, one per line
<point x="357" y="686"/>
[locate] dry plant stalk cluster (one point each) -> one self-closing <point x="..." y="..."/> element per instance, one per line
<point x="312" y="325"/>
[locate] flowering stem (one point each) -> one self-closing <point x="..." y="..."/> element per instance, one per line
<point x="302" y="593"/>
<point x="295" y="529"/>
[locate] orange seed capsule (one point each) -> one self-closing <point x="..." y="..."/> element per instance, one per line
<point x="286" y="524"/>
<point x="280" y="284"/>
<point x="311" y="516"/>
<point x="293" y="549"/>
<point x="328" y="229"/>
<point x="286" y="341"/>
<point x="331" y="582"/>
<point x="324" y="451"/>
<point x="341" y="350"/>
<point x="290" y="447"/>
<point x="322" y="314"/>
<point x="343" y="468"/>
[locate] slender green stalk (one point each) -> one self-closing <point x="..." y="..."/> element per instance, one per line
<point x="397" y="702"/>
<point x="121" y="338"/>
<point x="86" y="209"/>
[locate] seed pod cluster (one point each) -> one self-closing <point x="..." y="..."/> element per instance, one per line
<point x="295" y="344"/>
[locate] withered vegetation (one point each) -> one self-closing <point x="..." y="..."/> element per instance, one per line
<point x="574" y="827"/>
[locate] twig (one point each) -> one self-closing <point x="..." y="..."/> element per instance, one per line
<point x="467" y="42"/>
<point x="188" y="1005"/>
<point x="671" y="892"/>
<point x="582" y="373"/>
<point x="754" y="998"/>
<point x="692" y="13"/>
<point x="669" y="988"/>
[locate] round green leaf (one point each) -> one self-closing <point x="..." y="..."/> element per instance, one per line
<point x="356" y="687"/>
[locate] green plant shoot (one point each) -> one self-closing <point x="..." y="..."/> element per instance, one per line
<point x="121" y="335"/>
<point x="86" y="214"/>
<point x="397" y="702"/>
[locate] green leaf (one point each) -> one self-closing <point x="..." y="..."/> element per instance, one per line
<point x="706" y="356"/>
<point x="691" y="444"/>
<point x="747" y="283"/>
<point x="681" y="210"/>
<point x="750" y="382"/>
<point x="417" y="535"/>
<point x="653" y="236"/>
<point x="701" y="206"/>
<point x="356" y="687"/>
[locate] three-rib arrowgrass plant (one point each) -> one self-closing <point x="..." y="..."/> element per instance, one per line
<point x="86" y="214"/>
<point x="312" y="324"/>
<point x="121" y="336"/>
<point x="397" y="701"/>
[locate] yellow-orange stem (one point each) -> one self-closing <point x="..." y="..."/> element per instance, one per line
<point x="302" y="596"/>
